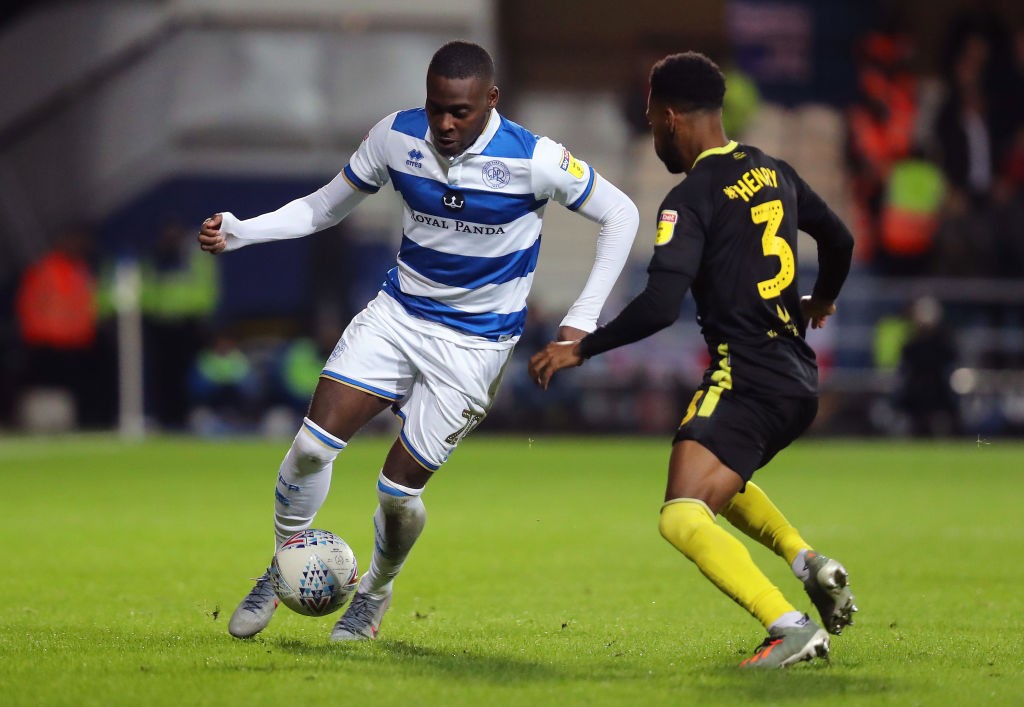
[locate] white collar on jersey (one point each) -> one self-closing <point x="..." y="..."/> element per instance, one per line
<point x="493" y="123"/>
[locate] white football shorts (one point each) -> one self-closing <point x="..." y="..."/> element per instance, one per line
<point x="441" y="389"/>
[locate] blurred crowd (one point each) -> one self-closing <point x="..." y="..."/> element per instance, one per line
<point x="937" y="162"/>
<point x="61" y="343"/>
<point x="934" y="160"/>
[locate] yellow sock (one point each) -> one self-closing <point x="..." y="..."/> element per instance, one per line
<point x="690" y="526"/>
<point x="753" y="513"/>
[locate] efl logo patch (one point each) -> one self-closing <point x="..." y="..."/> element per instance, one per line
<point x="666" y="226"/>
<point x="571" y="165"/>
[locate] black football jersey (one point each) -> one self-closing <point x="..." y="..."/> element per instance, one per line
<point x="729" y="232"/>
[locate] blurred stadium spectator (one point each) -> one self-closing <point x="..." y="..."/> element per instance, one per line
<point x="179" y="297"/>
<point x="910" y="213"/>
<point x="224" y="387"/>
<point x="295" y="368"/>
<point x="965" y="123"/>
<point x="924" y="390"/>
<point x="56" y="309"/>
<point x="881" y="125"/>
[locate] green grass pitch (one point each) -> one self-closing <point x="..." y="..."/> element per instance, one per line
<point x="540" y="579"/>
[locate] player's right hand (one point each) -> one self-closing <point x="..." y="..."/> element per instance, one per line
<point x="553" y="358"/>
<point x="816" y="311"/>
<point x="210" y="238"/>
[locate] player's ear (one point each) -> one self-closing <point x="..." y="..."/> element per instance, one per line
<point x="492" y="97"/>
<point x="671" y="116"/>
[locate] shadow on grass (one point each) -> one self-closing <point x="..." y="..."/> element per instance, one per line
<point x="817" y="682"/>
<point x="460" y="663"/>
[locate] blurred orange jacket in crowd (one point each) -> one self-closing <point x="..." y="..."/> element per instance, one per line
<point x="56" y="303"/>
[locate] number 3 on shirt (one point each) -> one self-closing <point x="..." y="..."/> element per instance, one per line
<point x="770" y="214"/>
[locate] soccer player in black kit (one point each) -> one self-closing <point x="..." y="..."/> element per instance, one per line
<point x="729" y="233"/>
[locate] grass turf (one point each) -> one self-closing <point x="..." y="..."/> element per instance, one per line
<point x="540" y="579"/>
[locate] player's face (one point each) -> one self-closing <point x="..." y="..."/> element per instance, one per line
<point x="457" y="110"/>
<point x="663" y="128"/>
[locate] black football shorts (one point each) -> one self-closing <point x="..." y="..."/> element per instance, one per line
<point x="742" y="430"/>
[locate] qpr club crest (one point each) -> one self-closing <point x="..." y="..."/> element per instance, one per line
<point x="453" y="200"/>
<point x="496" y="174"/>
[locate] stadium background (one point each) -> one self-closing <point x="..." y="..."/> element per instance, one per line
<point x="123" y="119"/>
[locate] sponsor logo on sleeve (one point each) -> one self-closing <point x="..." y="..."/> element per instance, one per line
<point x="571" y="165"/>
<point x="666" y="226"/>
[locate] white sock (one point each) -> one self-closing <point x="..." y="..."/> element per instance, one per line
<point x="304" y="479"/>
<point x="800" y="566"/>
<point x="789" y="620"/>
<point x="397" y="524"/>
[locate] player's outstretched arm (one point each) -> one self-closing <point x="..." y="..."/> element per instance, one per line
<point x="314" y="212"/>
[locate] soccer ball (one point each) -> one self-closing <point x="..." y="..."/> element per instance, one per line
<point x="314" y="573"/>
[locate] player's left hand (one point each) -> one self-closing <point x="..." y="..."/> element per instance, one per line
<point x="816" y="311"/>
<point x="553" y="358"/>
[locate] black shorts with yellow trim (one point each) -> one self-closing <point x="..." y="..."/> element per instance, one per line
<point x="742" y="430"/>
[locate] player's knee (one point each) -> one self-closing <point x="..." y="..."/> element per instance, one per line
<point x="682" y="519"/>
<point x="396" y="498"/>
<point x="400" y="505"/>
<point x="313" y="448"/>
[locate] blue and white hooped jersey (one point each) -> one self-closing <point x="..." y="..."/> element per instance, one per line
<point x="471" y="225"/>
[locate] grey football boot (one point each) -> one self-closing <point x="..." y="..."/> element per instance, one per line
<point x="255" y="611"/>
<point x="362" y="618"/>
<point x="828" y="587"/>
<point x="790" y="645"/>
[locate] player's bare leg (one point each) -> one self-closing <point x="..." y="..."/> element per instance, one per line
<point x="699" y="485"/>
<point x="397" y="523"/>
<point x="336" y="413"/>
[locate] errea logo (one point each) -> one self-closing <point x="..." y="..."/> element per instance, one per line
<point x="415" y="158"/>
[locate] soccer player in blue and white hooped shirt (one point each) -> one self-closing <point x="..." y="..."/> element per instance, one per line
<point x="433" y="344"/>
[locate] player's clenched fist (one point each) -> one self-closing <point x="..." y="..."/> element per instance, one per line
<point x="210" y="238"/>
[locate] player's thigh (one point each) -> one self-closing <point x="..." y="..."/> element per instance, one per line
<point x="450" y="397"/>
<point x="695" y="472"/>
<point x="343" y="410"/>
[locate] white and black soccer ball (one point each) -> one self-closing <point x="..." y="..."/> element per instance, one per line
<point x="314" y="573"/>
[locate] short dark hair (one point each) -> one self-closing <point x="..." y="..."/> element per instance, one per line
<point x="462" y="60"/>
<point x="690" y="81"/>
